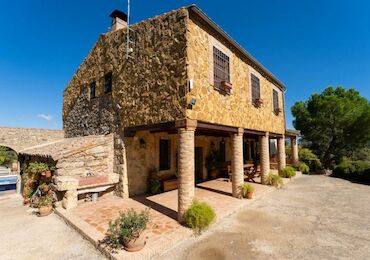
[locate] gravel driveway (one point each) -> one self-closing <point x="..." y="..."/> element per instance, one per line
<point x="315" y="217"/>
<point x="26" y="236"/>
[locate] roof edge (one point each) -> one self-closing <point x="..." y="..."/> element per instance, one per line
<point x="217" y="28"/>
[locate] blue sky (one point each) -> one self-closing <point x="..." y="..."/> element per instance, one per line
<point x="307" y="44"/>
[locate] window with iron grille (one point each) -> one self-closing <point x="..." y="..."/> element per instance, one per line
<point x="255" y="87"/>
<point x="221" y="68"/>
<point x="108" y="82"/>
<point x="92" y="90"/>
<point x="275" y="100"/>
<point x="164" y="154"/>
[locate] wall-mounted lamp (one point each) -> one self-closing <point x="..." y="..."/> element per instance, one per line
<point x="142" y="143"/>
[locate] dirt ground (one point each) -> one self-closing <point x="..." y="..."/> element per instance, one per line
<point x="26" y="236"/>
<point x="315" y="217"/>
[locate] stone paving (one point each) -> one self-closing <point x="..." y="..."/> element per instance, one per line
<point x="163" y="232"/>
<point x="25" y="236"/>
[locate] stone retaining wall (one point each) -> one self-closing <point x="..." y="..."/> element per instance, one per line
<point x="21" y="138"/>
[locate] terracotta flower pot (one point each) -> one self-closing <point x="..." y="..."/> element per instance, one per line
<point x="249" y="195"/>
<point x="136" y="244"/>
<point x="45" y="188"/>
<point x="47" y="174"/>
<point x="26" y="201"/>
<point x="45" y="210"/>
<point x="213" y="174"/>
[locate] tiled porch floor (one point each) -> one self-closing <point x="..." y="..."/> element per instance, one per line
<point x="163" y="230"/>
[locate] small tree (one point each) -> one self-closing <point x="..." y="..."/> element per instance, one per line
<point x="7" y="156"/>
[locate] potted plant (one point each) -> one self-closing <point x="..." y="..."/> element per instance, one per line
<point x="44" y="187"/>
<point x="258" y="102"/>
<point x="226" y="86"/>
<point x="213" y="163"/>
<point x="45" y="205"/>
<point x="247" y="191"/>
<point x="128" y="230"/>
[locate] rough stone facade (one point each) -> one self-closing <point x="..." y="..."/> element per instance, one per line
<point x="148" y="88"/>
<point x="235" y="109"/>
<point x="21" y="138"/>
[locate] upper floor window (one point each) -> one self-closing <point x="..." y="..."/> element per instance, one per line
<point x="221" y="70"/>
<point x="275" y="101"/>
<point x="256" y="91"/>
<point x="108" y="83"/>
<point x="92" y="90"/>
<point x="164" y="154"/>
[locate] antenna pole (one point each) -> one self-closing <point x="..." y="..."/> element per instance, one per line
<point x="128" y="30"/>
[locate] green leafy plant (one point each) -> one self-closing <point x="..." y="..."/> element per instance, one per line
<point x="154" y="186"/>
<point x="274" y="180"/>
<point x="246" y="188"/>
<point x="287" y="172"/>
<point x="304" y="168"/>
<point x="213" y="160"/>
<point x="199" y="216"/>
<point x="127" y="227"/>
<point x="45" y="201"/>
<point x="38" y="167"/>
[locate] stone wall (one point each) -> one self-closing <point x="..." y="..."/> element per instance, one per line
<point x="149" y="88"/>
<point x="21" y="138"/>
<point x="78" y="156"/>
<point x="235" y="109"/>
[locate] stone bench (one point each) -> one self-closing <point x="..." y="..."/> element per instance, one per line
<point x="73" y="186"/>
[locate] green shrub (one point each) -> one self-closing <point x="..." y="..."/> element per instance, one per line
<point x="304" y="168"/>
<point x="199" y="216"/>
<point x="274" y="180"/>
<point x="128" y="226"/>
<point x="246" y="188"/>
<point x="287" y="172"/>
<point x="353" y="170"/>
<point x="309" y="158"/>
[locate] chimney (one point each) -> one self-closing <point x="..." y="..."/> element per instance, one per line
<point x="119" y="20"/>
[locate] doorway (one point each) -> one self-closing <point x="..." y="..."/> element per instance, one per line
<point x="198" y="164"/>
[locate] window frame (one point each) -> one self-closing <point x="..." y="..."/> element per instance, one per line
<point x="92" y="86"/>
<point x="254" y="78"/>
<point x="108" y="78"/>
<point x="221" y="68"/>
<point x="275" y="93"/>
<point x="167" y="165"/>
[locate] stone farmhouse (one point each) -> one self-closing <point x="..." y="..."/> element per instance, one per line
<point x="182" y="90"/>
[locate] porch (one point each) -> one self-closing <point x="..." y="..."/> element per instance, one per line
<point x="180" y="151"/>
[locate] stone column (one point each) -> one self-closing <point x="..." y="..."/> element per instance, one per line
<point x="186" y="169"/>
<point x="264" y="157"/>
<point x="281" y="153"/>
<point x="294" y="144"/>
<point x="70" y="199"/>
<point x="237" y="169"/>
<point x="120" y="165"/>
<point x="19" y="178"/>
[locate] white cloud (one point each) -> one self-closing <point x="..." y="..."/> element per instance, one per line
<point x="48" y="118"/>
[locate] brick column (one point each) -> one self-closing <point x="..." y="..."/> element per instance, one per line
<point x="237" y="168"/>
<point x="294" y="144"/>
<point x="264" y="157"/>
<point x="281" y="153"/>
<point x="186" y="169"/>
